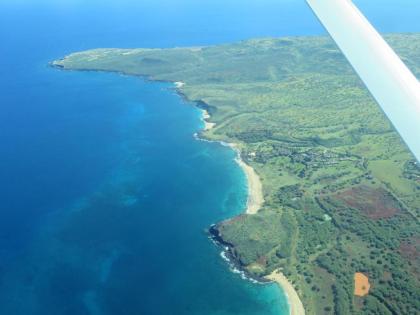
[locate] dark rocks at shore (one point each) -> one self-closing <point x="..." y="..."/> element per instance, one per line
<point x="229" y="251"/>
<point x="203" y="105"/>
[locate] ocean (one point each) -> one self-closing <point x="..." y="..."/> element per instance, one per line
<point x="106" y="195"/>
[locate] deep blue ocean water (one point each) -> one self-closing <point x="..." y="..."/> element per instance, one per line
<point x="105" y="193"/>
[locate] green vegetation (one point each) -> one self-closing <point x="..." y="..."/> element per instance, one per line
<point x="342" y="191"/>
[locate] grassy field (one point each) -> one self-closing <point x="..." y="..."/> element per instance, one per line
<point x="342" y="191"/>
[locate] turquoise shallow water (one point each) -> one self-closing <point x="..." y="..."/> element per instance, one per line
<point x="106" y="195"/>
<point x="136" y="243"/>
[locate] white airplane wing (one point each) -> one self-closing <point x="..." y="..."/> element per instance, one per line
<point x="388" y="79"/>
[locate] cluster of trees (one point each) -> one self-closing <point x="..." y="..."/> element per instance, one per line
<point x="257" y="236"/>
<point x="290" y="196"/>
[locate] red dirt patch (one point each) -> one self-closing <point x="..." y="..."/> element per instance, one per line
<point x="375" y="203"/>
<point x="361" y="284"/>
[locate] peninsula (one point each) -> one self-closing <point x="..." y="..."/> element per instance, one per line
<point x="340" y="190"/>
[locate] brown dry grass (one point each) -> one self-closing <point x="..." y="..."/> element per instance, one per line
<point x="375" y="203"/>
<point x="410" y="250"/>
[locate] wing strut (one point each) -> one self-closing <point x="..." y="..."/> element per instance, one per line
<point x="388" y="79"/>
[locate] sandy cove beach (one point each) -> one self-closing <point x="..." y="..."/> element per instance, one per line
<point x="295" y="304"/>
<point x="205" y="117"/>
<point x="255" y="191"/>
<point x="179" y="84"/>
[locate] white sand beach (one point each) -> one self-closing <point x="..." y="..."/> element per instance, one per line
<point x="205" y="117"/>
<point x="255" y="191"/>
<point x="295" y="304"/>
<point x="179" y="84"/>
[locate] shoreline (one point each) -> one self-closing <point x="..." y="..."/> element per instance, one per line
<point x="293" y="299"/>
<point x="255" y="200"/>
<point x="255" y="192"/>
<point x="205" y="116"/>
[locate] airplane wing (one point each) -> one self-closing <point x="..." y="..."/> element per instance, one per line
<point x="388" y="79"/>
